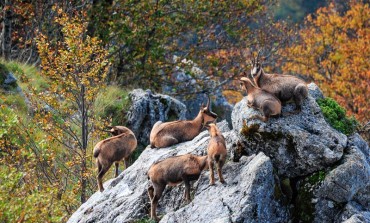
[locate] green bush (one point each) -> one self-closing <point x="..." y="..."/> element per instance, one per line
<point x="336" y="116"/>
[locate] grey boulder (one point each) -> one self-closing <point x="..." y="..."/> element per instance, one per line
<point x="298" y="144"/>
<point x="147" y="108"/>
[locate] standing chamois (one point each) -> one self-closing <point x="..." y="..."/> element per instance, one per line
<point x="284" y="87"/>
<point x="173" y="171"/>
<point x="113" y="150"/>
<point x="262" y="100"/>
<point x="216" y="152"/>
<point x="166" y="134"/>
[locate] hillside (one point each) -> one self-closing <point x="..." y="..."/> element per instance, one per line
<point x="294" y="168"/>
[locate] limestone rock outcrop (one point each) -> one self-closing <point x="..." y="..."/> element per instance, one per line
<point x="147" y="108"/>
<point x="294" y="168"/>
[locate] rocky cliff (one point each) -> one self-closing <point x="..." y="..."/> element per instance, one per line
<point x="293" y="168"/>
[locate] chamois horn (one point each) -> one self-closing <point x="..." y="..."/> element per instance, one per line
<point x="258" y="56"/>
<point x="208" y="106"/>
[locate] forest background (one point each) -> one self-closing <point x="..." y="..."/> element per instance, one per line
<point x="75" y="62"/>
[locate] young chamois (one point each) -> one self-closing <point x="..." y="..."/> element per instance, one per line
<point x="216" y="152"/>
<point x="166" y="134"/>
<point x="173" y="171"/>
<point x="113" y="150"/>
<point x="284" y="87"/>
<point x="262" y="100"/>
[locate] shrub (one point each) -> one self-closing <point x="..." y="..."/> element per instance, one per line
<point x="336" y="116"/>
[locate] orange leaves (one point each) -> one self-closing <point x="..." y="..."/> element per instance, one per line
<point x="333" y="51"/>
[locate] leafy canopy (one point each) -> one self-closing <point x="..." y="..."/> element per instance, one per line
<point x="333" y="50"/>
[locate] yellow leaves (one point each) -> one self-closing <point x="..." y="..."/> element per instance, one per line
<point x="334" y="52"/>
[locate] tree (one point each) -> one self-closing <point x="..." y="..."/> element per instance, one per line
<point x="145" y="36"/>
<point x="6" y="34"/>
<point x="333" y="50"/>
<point x="75" y="68"/>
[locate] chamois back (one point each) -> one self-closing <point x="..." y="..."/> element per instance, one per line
<point x="284" y="87"/>
<point x="173" y="171"/>
<point x="114" y="149"/>
<point x="164" y="134"/>
<point x="262" y="100"/>
<point x="216" y="152"/>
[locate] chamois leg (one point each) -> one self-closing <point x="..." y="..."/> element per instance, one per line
<point x="101" y="173"/>
<point x="127" y="162"/>
<point x="117" y="165"/>
<point x="187" y="190"/>
<point x="219" y="166"/>
<point x="158" y="190"/>
<point x="211" y="175"/>
<point x="300" y="93"/>
<point x="151" y="193"/>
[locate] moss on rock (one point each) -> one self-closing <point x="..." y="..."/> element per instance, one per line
<point x="335" y="115"/>
<point x="304" y="207"/>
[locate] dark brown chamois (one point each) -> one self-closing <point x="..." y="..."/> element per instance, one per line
<point x="262" y="100"/>
<point x="113" y="150"/>
<point x="284" y="87"/>
<point x="166" y="134"/>
<point x="216" y="152"/>
<point x="173" y="171"/>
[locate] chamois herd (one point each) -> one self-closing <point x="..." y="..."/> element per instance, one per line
<point x="265" y="92"/>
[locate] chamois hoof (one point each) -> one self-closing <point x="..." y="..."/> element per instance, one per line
<point x="101" y="190"/>
<point x="223" y="181"/>
<point x="211" y="183"/>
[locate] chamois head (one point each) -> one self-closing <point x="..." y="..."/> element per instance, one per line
<point x="212" y="128"/>
<point x="246" y="84"/>
<point x="256" y="66"/>
<point x="208" y="115"/>
<point x="116" y="130"/>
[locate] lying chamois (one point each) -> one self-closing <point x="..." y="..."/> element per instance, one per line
<point x="166" y="134"/>
<point x="284" y="87"/>
<point x="216" y="152"/>
<point x="114" y="149"/>
<point x="262" y="100"/>
<point x="173" y="171"/>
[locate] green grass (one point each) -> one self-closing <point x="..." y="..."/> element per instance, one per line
<point x="27" y="75"/>
<point x="112" y="103"/>
<point x="335" y="115"/>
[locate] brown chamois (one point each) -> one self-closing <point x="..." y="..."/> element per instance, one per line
<point x="113" y="150"/>
<point x="216" y="152"/>
<point x="173" y="171"/>
<point x="262" y="100"/>
<point x="166" y="134"/>
<point x="284" y="87"/>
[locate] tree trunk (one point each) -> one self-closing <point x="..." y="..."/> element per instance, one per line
<point x="6" y="34"/>
<point x="84" y="146"/>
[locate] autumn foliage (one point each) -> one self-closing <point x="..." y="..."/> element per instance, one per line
<point x="333" y="50"/>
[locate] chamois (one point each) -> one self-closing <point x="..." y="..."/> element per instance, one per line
<point x="166" y="134"/>
<point x="114" y="149"/>
<point x="262" y="100"/>
<point x="173" y="171"/>
<point x="216" y="152"/>
<point x="284" y="87"/>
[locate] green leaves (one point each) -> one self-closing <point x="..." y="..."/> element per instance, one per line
<point x="336" y="116"/>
